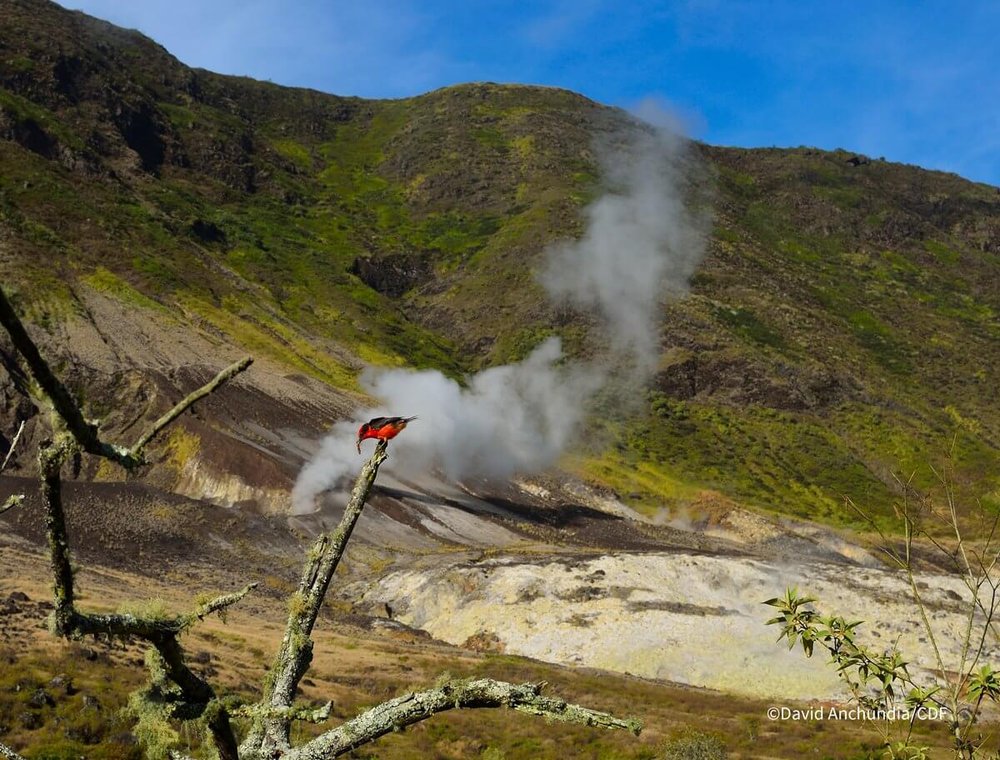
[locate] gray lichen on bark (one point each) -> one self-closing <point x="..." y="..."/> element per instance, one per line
<point x="269" y="733"/>
<point x="8" y="754"/>
<point x="417" y="706"/>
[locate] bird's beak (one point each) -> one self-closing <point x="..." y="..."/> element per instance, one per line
<point x="359" y="445"/>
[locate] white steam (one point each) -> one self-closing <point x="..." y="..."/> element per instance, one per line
<point x="515" y="418"/>
<point x="641" y="243"/>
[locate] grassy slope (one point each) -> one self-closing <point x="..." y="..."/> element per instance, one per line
<point x="843" y="326"/>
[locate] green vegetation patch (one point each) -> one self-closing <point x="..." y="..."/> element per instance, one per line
<point x="23" y="110"/>
<point x="263" y="335"/>
<point x="777" y="461"/>
<point x="294" y="151"/>
<point x="112" y="285"/>
<point x="880" y="340"/>
<point x="748" y="326"/>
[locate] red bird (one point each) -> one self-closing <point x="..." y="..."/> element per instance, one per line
<point x="382" y="428"/>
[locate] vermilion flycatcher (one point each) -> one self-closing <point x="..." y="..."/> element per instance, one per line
<point x="382" y="428"/>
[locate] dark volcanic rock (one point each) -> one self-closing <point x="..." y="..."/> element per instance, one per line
<point x="738" y="380"/>
<point x="393" y="275"/>
<point x="41" y="698"/>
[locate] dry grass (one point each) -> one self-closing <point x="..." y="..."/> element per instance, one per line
<point x="355" y="667"/>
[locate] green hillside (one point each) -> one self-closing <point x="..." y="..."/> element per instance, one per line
<point x="843" y="327"/>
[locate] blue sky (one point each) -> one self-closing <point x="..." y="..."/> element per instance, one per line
<point x="912" y="81"/>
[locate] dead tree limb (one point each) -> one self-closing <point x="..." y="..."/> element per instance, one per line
<point x="417" y="706"/>
<point x="14" y="499"/>
<point x="13" y="445"/>
<point x="270" y="731"/>
<point x="9" y="754"/>
<point x="72" y="434"/>
<point x="175" y="691"/>
<point x="58" y="395"/>
<point x="197" y="698"/>
<point x="224" y="376"/>
<point x="65" y="406"/>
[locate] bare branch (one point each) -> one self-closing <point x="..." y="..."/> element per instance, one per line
<point x="220" y="379"/>
<point x="417" y="706"/>
<point x="66" y="407"/>
<point x="13" y="445"/>
<point x="62" y="401"/>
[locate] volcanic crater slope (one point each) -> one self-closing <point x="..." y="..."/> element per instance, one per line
<point x="157" y="221"/>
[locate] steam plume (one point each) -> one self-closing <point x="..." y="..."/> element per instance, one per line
<point x="641" y="242"/>
<point x="514" y="418"/>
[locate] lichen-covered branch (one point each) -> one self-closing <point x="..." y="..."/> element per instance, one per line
<point x="152" y="629"/>
<point x="72" y="434"/>
<point x="417" y="706"/>
<point x="218" y="604"/>
<point x="51" y="457"/>
<point x="8" y="754"/>
<point x="270" y="732"/>
<point x="12" y="501"/>
<point x="299" y="713"/>
<point x="199" y="699"/>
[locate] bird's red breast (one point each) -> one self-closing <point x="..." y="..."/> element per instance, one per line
<point x="382" y="428"/>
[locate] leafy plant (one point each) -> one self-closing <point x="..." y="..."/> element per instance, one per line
<point x="880" y="683"/>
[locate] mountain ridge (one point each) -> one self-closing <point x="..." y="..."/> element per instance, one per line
<point x="842" y="327"/>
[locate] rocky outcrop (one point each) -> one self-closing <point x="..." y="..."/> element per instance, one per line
<point x="681" y="617"/>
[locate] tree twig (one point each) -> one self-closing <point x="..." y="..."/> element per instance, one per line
<point x="57" y="393"/>
<point x="12" y="501"/>
<point x="62" y="401"/>
<point x="417" y="706"/>
<point x="13" y="445"/>
<point x="151" y="628"/>
<point x="224" y="376"/>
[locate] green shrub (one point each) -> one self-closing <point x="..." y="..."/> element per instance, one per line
<point x="694" y="745"/>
